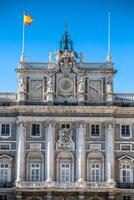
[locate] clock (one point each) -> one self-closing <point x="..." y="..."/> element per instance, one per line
<point x="66" y="85"/>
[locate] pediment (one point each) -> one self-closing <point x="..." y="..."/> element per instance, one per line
<point x="126" y="157"/>
<point x="6" y="157"/>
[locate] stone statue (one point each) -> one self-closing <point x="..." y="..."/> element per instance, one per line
<point x="50" y="85"/>
<point x="50" y="57"/>
<point x="81" y="86"/>
<point x="22" y="84"/>
<point x="109" y="86"/>
<point x="81" y="57"/>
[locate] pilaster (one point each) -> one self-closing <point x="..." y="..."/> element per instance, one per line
<point x="110" y="154"/>
<point x="20" y="155"/>
<point x="80" y="154"/>
<point x="50" y="152"/>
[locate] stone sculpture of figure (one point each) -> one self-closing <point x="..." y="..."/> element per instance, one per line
<point x="50" y="85"/>
<point x="109" y="86"/>
<point x="81" y="86"/>
<point x="81" y="57"/>
<point x="50" y="57"/>
<point x="21" y="85"/>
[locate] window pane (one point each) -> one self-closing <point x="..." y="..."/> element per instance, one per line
<point x="95" y="130"/>
<point x="35" y="130"/>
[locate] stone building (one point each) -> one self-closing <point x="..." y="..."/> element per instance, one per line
<point x="66" y="135"/>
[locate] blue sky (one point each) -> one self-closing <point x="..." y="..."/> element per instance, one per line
<point x="87" y="21"/>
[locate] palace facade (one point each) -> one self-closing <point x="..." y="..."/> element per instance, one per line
<point x="65" y="135"/>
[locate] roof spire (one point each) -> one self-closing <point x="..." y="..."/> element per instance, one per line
<point x="109" y="53"/>
<point x="66" y="43"/>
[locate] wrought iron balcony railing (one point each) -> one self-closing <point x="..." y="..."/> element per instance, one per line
<point x="6" y="184"/>
<point x="125" y="185"/>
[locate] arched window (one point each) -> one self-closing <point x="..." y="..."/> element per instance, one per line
<point x="65" y="167"/>
<point x="5" y="169"/>
<point x="95" y="167"/>
<point x="126" y="169"/>
<point x="35" y="166"/>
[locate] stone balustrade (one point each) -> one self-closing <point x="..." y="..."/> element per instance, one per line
<point x="124" y="98"/>
<point x="73" y="185"/>
<point x="8" y="97"/>
<point x="36" y="65"/>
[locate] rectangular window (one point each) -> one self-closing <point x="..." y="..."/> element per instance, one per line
<point x="35" y="172"/>
<point x="126" y="173"/>
<point x="35" y="132"/>
<point x="95" y="173"/>
<point x="4" y="172"/>
<point x="126" y="147"/>
<point x="65" y="173"/>
<point x="3" y="197"/>
<point x="95" y="130"/>
<point x="126" y="198"/>
<point x="5" y="130"/>
<point x="4" y="147"/>
<point x="125" y="130"/>
<point x="65" y="125"/>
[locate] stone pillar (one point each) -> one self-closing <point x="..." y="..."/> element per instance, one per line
<point x="80" y="152"/>
<point x="110" y="154"/>
<point x="111" y="196"/>
<point x="49" y="196"/>
<point x="81" y="197"/>
<point x="20" y="151"/>
<point x="50" y="152"/>
<point x="19" y="197"/>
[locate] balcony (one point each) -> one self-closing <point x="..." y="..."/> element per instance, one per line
<point x="123" y="98"/>
<point x="70" y="185"/>
<point x="6" y="184"/>
<point x="125" y="185"/>
<point x="8" y="98"/>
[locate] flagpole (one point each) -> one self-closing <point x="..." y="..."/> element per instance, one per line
<point x="23" y="42"/>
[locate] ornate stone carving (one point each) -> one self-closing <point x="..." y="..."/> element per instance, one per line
<point x="50" y="86"/>
<point x="95" y="147"/>
<point x="35" y="146"/>
<point x="65" y="140"/>
<point x="21" y="123"/>
<point x="109" y="86"/>
<point x="22" y="84"/>
<point x="81" y="86"/>
<point x="50" y="57"/>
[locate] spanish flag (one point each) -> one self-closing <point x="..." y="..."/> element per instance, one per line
<point x="27" y="19"/>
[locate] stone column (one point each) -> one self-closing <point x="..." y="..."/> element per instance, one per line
<point x="111" y="196"/>
<point x="81" y="197"/>
<point x="19" y="197"/>
<point x="80" y="152"/>
<point x="49" y="196"/>
<point x="50" y="152"/>
<point x="110" y="154"/>
<point x="20" y="151"/>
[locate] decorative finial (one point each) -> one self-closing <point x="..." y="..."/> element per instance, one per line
<point x="50" y="57"/>
<point x="66" y="43"/>
<point x="22" y="58"/>
<point x="109" y="53"/>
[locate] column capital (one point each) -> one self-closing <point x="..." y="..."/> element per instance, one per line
<point x="50" y="123"/>
<point x="81" y="124"/>
<point x="21" y="123"/>
<point x="110" y="124"/>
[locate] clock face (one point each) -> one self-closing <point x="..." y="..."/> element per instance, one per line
<point x="66" y="85"/>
